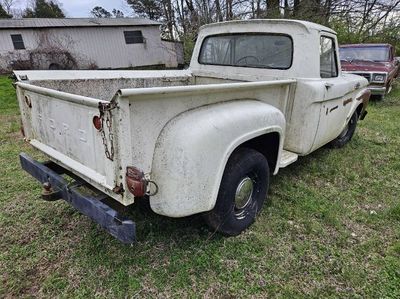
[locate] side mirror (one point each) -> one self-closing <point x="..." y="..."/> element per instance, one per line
<point x="397" y="60"/>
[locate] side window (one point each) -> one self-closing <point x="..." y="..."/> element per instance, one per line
<point x="328" y="63"/>
<point x="133" y="37"/>
<point x="18" y="42"/>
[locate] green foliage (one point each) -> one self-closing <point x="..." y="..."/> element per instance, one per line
<point x="151" y="9"/>
<point x="388" y="34"/>
<point x="44" y="9"/>
<point x="4" y="14"/>
<point x="117" y="13"/>
<point x="188" y="46"/>
<point x="100" y="12"/>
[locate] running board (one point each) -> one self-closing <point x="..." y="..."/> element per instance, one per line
<point x="287" y="158"/>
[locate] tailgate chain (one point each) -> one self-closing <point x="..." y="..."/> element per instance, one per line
<point x="106" y="117"/>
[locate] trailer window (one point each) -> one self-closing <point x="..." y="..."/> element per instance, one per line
<point x="18" y="42"/>
<point x="270" y="51"/>
<point x="328" y="63"/>
<point x="133" y="37"/>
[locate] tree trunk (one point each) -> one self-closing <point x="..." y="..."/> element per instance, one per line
<point x="169" y="16"/>
<point x="296" y="7"/>
<point x="273" y="9"/>
<point x="220" y="18"/>
<point x="229" y="12"/>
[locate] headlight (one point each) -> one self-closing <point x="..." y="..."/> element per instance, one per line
<point x="379" y="78"/>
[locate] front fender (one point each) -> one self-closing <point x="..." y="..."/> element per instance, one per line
<point x="193" y="148"/>
<point x="363" y="98"/>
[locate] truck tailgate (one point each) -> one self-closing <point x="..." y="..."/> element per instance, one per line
<point x="61" y="125"/>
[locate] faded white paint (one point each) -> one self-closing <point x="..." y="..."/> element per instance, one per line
<point x="180" y="127"/>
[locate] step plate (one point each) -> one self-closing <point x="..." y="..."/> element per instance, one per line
<point x="287" y="158"/>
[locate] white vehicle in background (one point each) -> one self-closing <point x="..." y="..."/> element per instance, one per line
<point x="257" y="95"/>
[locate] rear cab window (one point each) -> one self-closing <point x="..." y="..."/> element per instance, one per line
<point x="257" y="50"/>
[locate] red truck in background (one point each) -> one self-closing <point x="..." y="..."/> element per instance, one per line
<point x="376" y="62"/>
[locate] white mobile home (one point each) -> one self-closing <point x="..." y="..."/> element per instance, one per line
<point x="84" y="43"/>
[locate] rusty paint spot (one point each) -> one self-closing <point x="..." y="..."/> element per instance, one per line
<point x="119" y="189"/>
<point x="364" y="96"/>
<point x="28" y="101"/>
<point x="347" y="101"/>
<point x="365" y="99"/>
<point x="334" y="108"/>
<point x="22" y="129"/>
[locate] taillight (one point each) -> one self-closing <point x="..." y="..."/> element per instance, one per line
<point x="97" y="122"/>
<point x="135" y="181"/>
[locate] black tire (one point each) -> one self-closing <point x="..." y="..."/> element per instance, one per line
<point x="245" y="167"/>
<point x="378" y="97"/>
<point x="346" y="134"/>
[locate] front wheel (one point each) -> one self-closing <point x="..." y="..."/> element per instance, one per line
<point x="347" y="132"/>
<point x="242" y="192"/>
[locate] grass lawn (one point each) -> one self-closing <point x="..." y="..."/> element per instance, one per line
<point x="331" y="229"/>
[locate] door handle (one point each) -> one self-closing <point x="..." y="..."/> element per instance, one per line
<point x="328" y="85"/>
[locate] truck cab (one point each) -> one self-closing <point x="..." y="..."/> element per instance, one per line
<point x="259" y="50"/>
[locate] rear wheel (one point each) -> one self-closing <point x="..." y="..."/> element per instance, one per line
<point x="347" y="132"/>
<point x="242" y="192"/>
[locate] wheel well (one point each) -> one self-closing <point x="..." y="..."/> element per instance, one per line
<point x="268" y="145"/>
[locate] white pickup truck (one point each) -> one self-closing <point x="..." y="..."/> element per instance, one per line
<point x="257" y="95"/>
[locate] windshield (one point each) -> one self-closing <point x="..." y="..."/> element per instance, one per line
<point x="364" y="53"/>
<point x="248" y="50"/>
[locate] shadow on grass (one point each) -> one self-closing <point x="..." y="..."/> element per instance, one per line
<point x="188" y="232"/>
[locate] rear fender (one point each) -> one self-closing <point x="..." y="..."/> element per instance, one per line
<point x="193" y="148"/>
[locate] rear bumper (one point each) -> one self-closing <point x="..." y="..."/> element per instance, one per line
<point x="90" y="205"/>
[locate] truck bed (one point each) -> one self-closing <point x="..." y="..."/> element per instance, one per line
<point x="104" y="85"/>
<point x="58" y="109"/>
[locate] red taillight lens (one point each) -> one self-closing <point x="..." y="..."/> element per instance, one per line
<point x="97" y="123"/>
<point x="135" y="181"/>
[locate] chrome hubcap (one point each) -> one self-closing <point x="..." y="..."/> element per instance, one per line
<point x="244" y="191"/>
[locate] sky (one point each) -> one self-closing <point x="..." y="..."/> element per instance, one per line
<point x="82" y="8"/>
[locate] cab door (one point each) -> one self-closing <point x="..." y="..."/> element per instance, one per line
<point x="338" y="93"/>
